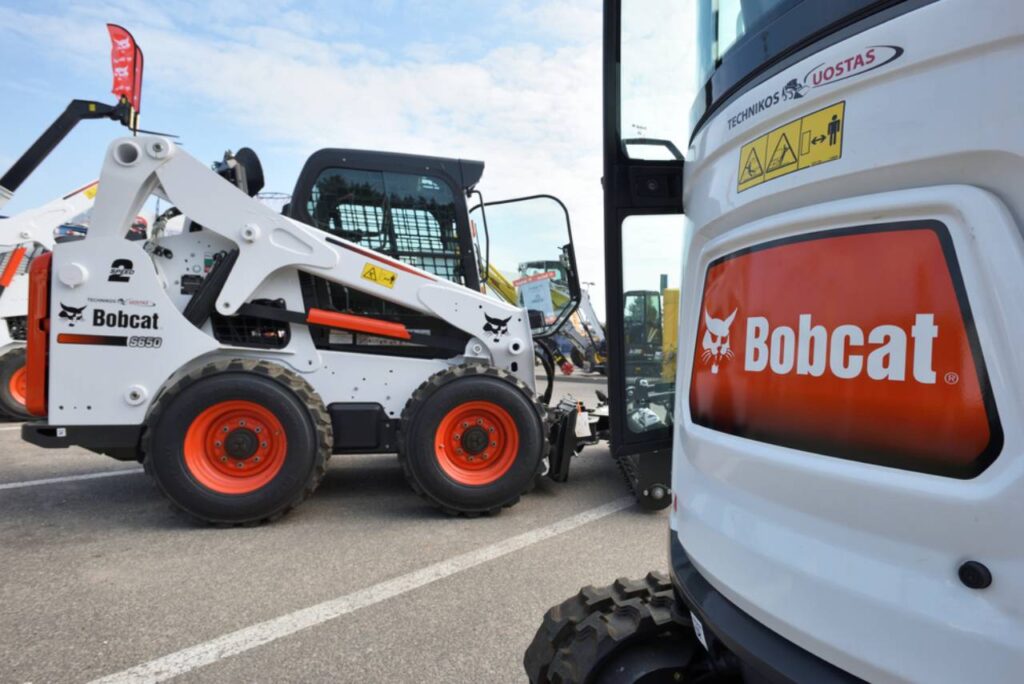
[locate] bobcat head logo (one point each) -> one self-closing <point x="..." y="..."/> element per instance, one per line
<point x="496" y="326"/>
<point x="71" y="314"/>
<point x="715" y="347"/>
<point x="794" y="90"/>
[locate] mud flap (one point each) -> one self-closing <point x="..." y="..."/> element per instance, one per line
<point x="563" y="440"/>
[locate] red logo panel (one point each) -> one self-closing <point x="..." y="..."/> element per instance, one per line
<point x="857" y="343"/>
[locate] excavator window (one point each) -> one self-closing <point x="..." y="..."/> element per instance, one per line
<point x="410" y="217"/>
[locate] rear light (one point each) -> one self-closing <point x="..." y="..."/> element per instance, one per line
<point x="38" y="334"/>
<point x="12" y="267"/>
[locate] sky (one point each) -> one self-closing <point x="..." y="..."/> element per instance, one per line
<point x="515" y="83"/>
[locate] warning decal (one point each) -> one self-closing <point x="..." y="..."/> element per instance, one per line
<point x="752" y="169"/>
<point x="377" y="274"/>
<point x="810" y="140"/>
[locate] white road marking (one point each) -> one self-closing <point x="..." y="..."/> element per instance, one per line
<point x="248" y="638"/>
<point x="68" y="478"/>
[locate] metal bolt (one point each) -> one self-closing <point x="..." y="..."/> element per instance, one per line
<point x="224" y="429"/>
<point x="458" y="451"/>
<point x="486" y="456"/>
<point x="217" y="444"/>
<point x="255" y="459"/>
<point x="263" y="444"/>
<point x="239" y="464"/>
<point x="465" y="425"/>
<point x="223" y="459"/>
<point x="456" y="437"/>
<point x="479" y="421"/>
<point x="490" y="429"/>
<point x="494" y="444"/>
<point x="241" y="423"/>
<point x="469" y="458"/>
<point x="258" y="430"/>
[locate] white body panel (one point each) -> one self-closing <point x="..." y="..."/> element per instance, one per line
<point x="93" y="384"/>
<point x="854" y="562"/>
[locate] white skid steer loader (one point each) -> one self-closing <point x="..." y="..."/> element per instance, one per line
<point x="234" y="358"/>
<point x="24" y="237"/>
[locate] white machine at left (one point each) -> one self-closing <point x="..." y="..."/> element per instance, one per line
<point x="23" y="237"/>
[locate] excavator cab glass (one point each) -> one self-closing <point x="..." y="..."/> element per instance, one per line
<point x="527" y="258"/>
<point x="645" y="131"/>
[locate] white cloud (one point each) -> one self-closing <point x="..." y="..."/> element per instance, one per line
<point x="531" y="110"/>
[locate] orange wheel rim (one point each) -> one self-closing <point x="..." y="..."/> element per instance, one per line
<point x="18" y="385"/>
<point x="476" y="443"/>
<point x="235" y="447"/>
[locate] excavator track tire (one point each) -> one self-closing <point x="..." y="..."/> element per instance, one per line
<point x="472" y="440"/>
<point x="237" y="442"/>
<point x="581" y="639"/>
<point x="13" y="385"/>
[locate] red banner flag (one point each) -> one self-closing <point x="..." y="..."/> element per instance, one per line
<point x="126" y="63"/>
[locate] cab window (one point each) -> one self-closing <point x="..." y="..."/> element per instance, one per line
<point x="409" y="217"/>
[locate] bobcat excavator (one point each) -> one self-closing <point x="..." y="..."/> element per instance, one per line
<point x="848" y="496"/>
<point x="24" y="237"/>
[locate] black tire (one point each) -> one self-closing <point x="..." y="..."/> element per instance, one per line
<point x="10" y="406"/>
<point x="422" y="416"/>
<point x="291" y="401"/>
<point x="585" y="638"/>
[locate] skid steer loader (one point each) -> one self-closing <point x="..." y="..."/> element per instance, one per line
<point x="848" y="483"/>
<point x="254" y="345"/>
<point x="24" y="237"/>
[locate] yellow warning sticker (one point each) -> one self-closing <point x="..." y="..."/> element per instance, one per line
<point x="375" y="273"/>
<point x="91" y="191"/>
<point x="808" y="141"/>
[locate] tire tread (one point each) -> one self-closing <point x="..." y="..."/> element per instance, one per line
<point x="578" y="634"/>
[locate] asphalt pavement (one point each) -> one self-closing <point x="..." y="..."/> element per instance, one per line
<point x="364" y="582"/>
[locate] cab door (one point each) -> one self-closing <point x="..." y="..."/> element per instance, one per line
<point x="645" y="123"/>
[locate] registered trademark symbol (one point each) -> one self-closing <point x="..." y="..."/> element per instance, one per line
<point x="952" y="378"/>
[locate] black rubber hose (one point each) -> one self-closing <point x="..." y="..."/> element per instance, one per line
<point x="548" y="362"/>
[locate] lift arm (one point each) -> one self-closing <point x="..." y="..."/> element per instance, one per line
<point x="78" y="110"/>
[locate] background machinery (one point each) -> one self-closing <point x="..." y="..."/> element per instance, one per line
<point x="22" y="238"/>
<point x="846" y="477"/>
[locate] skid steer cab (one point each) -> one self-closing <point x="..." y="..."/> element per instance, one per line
<point x="234" y="358"/>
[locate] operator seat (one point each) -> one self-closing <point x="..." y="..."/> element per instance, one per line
<point x="250" y="163"/>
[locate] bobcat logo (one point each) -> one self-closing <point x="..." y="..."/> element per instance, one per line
<point x="496" y="326"/>
<point x="716" y="346"/>
<point x="71" y="314"/>
<point x="121" y="72"/>
<point x="793" y="90"/>
<point x="122" y="43"/>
